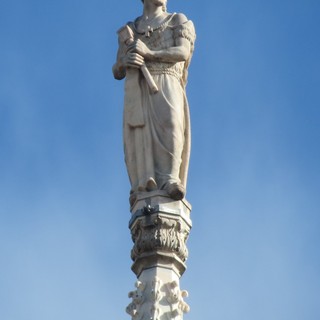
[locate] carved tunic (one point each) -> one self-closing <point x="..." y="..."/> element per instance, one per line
<point x="157" y="126"/>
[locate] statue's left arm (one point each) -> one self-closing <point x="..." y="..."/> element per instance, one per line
<point x="184" y="36"/>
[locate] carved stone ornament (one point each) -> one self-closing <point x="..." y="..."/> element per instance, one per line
<point x="160" y="233"/>
<point x="154" y="300"/>
<point x="159" y="238"/>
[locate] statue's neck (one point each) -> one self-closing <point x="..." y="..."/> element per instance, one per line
<point x="150" y="11"/>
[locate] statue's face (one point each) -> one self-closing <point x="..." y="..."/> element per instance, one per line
<point x="158" y="3"/>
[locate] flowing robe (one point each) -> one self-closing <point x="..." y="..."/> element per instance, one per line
<point x="156" y="127"/>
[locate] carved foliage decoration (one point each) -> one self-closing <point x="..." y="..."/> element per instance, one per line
<point x="157" y="232"/>
<point x="175" y="298"/>
<point x="154" y="300"/>
<point x="137" y="299"/>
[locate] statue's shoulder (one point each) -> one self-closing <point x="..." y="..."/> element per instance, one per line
<point x="130" y="24"/>
<point x="183" y="27"/>
<point x="178" y="19"/>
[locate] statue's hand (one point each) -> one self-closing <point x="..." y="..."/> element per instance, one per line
<point x="133" y="60"/>
<point x="139" y="47"/>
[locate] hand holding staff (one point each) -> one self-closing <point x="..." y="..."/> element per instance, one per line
<point x="126" y="36"/>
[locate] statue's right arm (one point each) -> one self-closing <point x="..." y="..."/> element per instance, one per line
<point x="118" y="69"/>
<point x="126" y="59"/>
<point x="118" y="72"/>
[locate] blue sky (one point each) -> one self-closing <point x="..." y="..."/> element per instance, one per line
<point x="254" y="177"/>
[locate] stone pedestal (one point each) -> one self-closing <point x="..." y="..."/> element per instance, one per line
<point x="160" y="227"/>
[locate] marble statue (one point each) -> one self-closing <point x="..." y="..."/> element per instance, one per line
<point x="154" y="54"/>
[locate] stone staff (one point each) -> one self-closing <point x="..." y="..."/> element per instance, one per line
<point x="126" y="36"/>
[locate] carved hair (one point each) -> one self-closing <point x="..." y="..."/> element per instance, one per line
<point x="164" y="8"/>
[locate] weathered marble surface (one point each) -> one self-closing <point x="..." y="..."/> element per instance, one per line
<point x="156" y="126"/>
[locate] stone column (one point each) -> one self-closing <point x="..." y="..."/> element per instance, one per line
<point x="160" y="227"/>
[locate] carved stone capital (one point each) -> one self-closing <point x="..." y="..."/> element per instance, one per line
<point x="160" y="228"/>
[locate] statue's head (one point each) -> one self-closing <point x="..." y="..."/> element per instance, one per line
<point x="163" y="2"/>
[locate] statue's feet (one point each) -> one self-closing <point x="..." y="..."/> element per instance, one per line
<point x="151" y="185"/>
<point x="148" y="185"/>
<point x="175" y="190"/>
